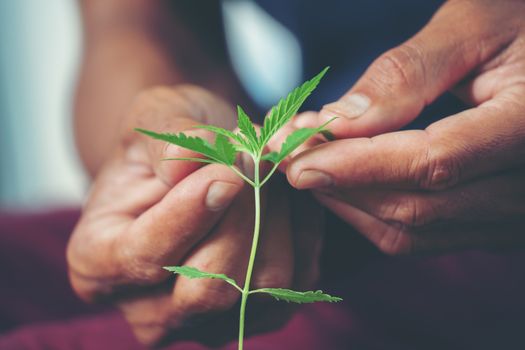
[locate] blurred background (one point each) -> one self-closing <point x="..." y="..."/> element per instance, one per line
<point x="40" y="47"/>
<point x="39" y="50"/>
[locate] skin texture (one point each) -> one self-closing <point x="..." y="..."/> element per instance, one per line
<point x="460" y="182"/>
<point x="143" y="213"/>
<point x="457" y="184"/>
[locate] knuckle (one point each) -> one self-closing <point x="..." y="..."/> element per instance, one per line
<point x="159" y="103"/>
<point x="273" y="278"/>
<point x="440" y="170"/>
<point x="209" y="296"/>
<point x="148" y="317"/>
<point x="83" y="290"/>
<point x="146" y="272"/>
<point x="87" y="279"/>
<point x="140" y="269"/>
<point x="148" y="335"/>
<point x="400" y="68"/>
<point x="395" y="239"/>
<point x="157" y="93"/>
<point x="410" y="212"/>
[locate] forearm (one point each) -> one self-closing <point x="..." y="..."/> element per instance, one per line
<point x="130" y="46"/>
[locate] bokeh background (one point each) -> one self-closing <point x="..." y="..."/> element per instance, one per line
<point x="40" y="48"/>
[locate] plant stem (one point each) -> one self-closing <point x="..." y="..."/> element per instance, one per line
<point x="276" y="165"/>
<point x="253" y="252"/>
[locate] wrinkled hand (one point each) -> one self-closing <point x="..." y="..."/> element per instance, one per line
<point x="144" y="213"/>
<point x="460" y="182"/>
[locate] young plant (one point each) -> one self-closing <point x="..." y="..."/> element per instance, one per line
<point x="224" y="151"/>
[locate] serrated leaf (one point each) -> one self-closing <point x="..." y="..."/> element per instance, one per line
<point x="225" y="149"/>
<point x="287" y="108"/>
<point x="294" y="140"/>
<point x="192" y="272"/>
<point x="190" y="159"/>
<point x="247" y="129"/>
<point x="271" y="156"/>
<point x="298" y="297"/>
<point x="199" y="145"/>
<point x="219" y="131"/>
<point x="241" y="145"/>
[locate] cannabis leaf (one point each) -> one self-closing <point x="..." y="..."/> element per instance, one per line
<point x="225" y="149"/>
<point x="192" y="272"/>
<point x="222" y="152"/>
<point x="287" y="108"/>
<point x="247" y="129"/>
<point x="298" y="297"/>
<point x="241" y="146"/>
<point x="294" y="140"/>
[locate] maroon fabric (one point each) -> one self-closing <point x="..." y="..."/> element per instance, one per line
<point x="470" y="300"/>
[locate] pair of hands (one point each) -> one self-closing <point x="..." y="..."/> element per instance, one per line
<point x="144" y="213"/>
<point x="458" y="183"/>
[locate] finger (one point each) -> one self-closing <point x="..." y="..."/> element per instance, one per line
<point x="148" y="315"/>
<point x="153" y="153"/>
<point x="401" y="222"/>
<point x="308" y="231"/>
<point x="397" y="239"/>
<point x="171" y="172"/>
<point x="162" y="235"/>
<point x="390" y="239"/>
<point x="274" y="263"/>
<point x="497" y="198"/>
<point x="469" y="144"/>
<point x="151" y="318"/>
<point x="280" y="137"/>
<point x="225" y="251"/>
<point x="402" y="81"/>
<point x="166" y="231"/>
<point x="166" y="109"/>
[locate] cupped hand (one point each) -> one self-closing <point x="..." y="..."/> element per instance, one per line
<point x="144" y="213"/>
<point x="460" y="183"/>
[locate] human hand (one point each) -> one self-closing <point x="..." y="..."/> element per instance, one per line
<point x="144" y="213"/>
<point x="460" y="183"/>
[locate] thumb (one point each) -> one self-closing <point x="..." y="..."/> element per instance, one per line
<point x="402" y="81"/>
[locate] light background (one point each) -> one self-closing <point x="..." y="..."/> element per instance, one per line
<point x="39" y="49"/>
<point x="40" y="43"/>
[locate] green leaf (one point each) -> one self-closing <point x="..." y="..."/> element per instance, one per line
<point x="240" y="146"/>
<point x="287" y="108"/>
<point x="192" y="272"/>
<point x="223" y="152"/>
<point x="247" y="129"/>
<point x="294" y="140"/>
<point x="225" y="149"/>
<point x="271" y="156"/>
<point x="190" y="159"/>
<point x="220" y="131"/>
<point x="298" y="297"/>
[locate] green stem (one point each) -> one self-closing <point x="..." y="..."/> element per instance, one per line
<point x="275" y="166"/>
<point x="253" y="252"/>
<point x="242" y="176"/>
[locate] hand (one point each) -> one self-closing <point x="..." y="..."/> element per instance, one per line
<point x="144" y="213"/>
<point x="460" y="183"/>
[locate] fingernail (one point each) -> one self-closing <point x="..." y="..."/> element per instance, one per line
<point x="313" y="178"/>
<point x="220" y="194"/>
<point x="350" y="107"/>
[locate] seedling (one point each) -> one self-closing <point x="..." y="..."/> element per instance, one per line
<point x="224" y="151"/>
